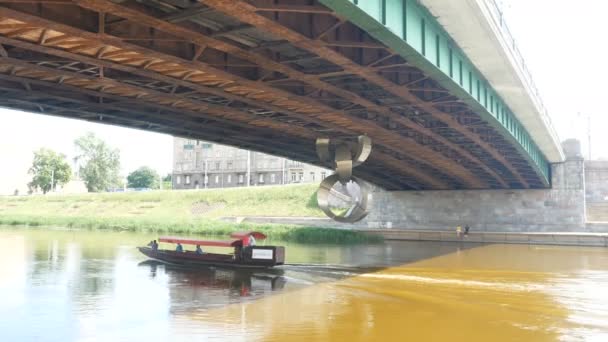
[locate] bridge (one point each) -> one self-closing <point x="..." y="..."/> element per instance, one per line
<point x="438" y="86"/>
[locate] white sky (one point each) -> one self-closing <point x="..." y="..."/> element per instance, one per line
<point x="563" y="44"/>
<point x="22" y="133"/>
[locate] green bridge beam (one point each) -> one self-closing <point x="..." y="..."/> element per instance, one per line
<point x="411" y="31"/>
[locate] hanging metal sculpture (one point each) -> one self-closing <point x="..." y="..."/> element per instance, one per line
<point x="343" y="156"/>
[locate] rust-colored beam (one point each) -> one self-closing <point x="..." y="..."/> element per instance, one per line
<point x="246" y="13"/>
<point x="193" y="130"/>
<point x="210" y="77"/>
<point x="78" y="83"/>
<point x="84" y="84"/>
<point x="138" y="15"/>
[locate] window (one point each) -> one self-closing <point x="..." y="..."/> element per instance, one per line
<point x="187" y="179"/>
<point x="217" y="165"/>
<point x="293" y="177"/>
<point x="272" y="178"/>
<point x="178" y="180"/>
<point x="229" y="178"/>
<point x="301" y="176"/>
<point x="312" y="176"/>
<point x="323" y="175"/>
<point x="241" y="178"/>
<point x="217" y="179"/>
<point x="188" y="144"/>
<point x="229" y="165"/>
<point x="261" y="178"/>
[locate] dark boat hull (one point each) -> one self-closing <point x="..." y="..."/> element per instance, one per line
<point x="212" y="259"/>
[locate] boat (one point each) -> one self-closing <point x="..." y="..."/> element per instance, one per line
<point x="241" y="256"/>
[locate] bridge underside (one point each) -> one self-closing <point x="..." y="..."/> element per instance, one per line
<point x="265" y="75"/>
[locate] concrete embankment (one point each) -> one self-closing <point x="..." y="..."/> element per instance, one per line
<point x="544" y="238"/>
<point x="594" y="236"/>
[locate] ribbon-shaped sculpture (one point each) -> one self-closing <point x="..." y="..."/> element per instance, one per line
<point x="344" y="156"/>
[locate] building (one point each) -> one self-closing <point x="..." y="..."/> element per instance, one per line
<point x="199" y="164"/>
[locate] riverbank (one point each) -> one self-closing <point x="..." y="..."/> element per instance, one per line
<point x="179" y="212"/>
<point x="526" y="238"/>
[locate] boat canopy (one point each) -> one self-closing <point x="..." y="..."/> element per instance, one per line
<point x="243" y="234"/>
<point x="187" y="241"/>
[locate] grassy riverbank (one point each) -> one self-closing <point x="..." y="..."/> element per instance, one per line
<point x="178" y="212"/>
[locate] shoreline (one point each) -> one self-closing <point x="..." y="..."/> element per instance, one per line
<point x="530" y="238"/>
<point x="207" y="227"/>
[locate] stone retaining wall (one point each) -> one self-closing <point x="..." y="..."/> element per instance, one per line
<point x="559" y="209"/>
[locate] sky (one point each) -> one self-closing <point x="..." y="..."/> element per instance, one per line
<point x="22" y="133"/>
<point x="563" y="43"/>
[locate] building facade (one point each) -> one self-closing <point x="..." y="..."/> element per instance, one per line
<point x="199" y="164"/>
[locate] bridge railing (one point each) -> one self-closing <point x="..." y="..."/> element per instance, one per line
<point x="498" y="17"/>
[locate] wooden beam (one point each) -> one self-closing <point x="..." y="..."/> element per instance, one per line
<point x="330" y="117"/>
<point x="102" y="23"/>
<point x="177" y="117"/>
<point x="330" y="29"/>
<point x="187" y="14"/>
<point x="177" y="120"/>
<point x="231" y="30"/>
<point x="74" y="82"/>
<point x="246" y="13"/>
<point x="198" y="52"/>
<point x="136" y="15"/>
<point x="45" y="2"/>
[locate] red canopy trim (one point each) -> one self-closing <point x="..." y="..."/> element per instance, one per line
<point x="244" y="234"/>
<point x="186" y="241"/>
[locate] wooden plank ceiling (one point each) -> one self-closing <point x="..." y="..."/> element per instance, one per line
<point x="265" y="75"/>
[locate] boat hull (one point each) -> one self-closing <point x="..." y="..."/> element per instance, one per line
<point x="224" y="260"/>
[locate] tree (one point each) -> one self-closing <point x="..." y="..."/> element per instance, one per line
<point x="99" y="163"/>
<point x="49" y="169"/>
<point x="167" y="183"/>
<point x="144" y="177"/>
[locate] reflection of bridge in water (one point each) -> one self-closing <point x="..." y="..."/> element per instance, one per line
<point x="275" y="76"/>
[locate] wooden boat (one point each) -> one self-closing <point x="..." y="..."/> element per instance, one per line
<point x="242" y="256"/>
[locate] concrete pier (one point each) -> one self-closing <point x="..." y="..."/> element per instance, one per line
<point x="559" y="209"/>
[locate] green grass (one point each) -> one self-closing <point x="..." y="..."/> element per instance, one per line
<point x="179" y="212"/>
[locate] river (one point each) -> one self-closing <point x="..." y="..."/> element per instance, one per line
<point x="59" y="285"/>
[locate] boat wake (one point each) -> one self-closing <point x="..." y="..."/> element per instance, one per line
<point x="502" y="286"/>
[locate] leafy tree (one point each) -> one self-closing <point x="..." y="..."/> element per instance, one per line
<point x="99" y="163"/>
<point x="144" y="177"/>
<point x="49" y="169"/>
<point x="167" y="183"/>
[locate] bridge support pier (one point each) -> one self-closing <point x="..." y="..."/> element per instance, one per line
<point x="559" y="209"/>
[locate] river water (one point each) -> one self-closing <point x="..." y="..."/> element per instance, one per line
<point x="58" y="285"/>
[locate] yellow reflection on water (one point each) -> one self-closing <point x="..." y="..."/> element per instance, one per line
<point x="489" y="293"/>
